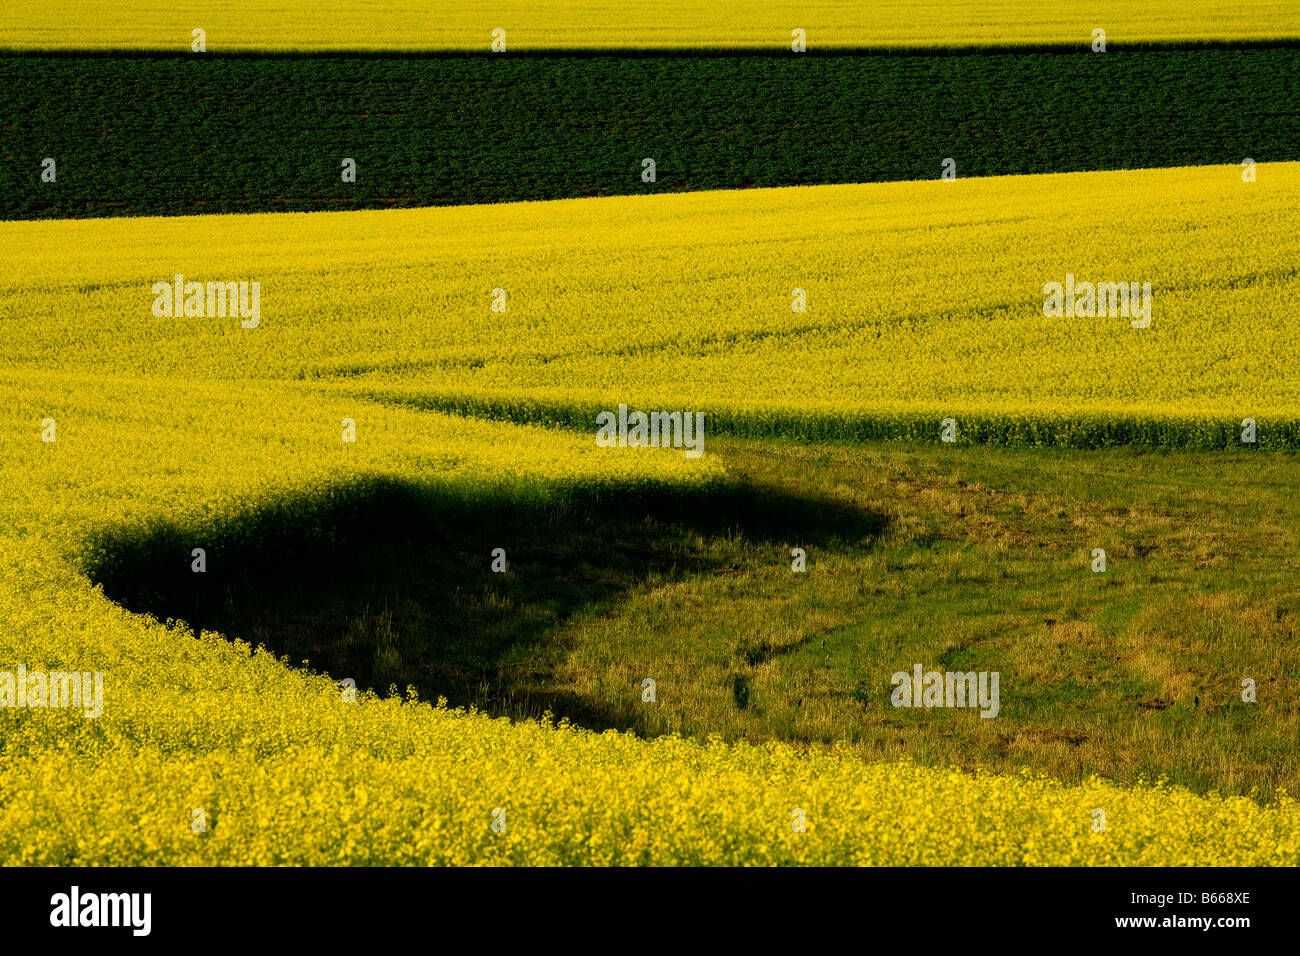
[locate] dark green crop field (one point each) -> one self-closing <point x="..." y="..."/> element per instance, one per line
<point x="135" y="135"/>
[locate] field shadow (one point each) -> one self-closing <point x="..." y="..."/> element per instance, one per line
<point x="392" y="583"/>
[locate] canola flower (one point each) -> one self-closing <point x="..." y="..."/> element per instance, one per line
<point x="192" y="421"/>
<point x="416" y="25"/>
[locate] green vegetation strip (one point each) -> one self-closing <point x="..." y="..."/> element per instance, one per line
<point x="150" y="135"/>
<point x="1035" y="428"/>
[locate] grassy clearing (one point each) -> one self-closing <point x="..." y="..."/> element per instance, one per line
<point x="270" y="134"/>
<point x="971" y="559"/>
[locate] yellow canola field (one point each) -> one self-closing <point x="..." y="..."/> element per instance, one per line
<point x="564" y="24"/>
<point x="923" y="300"/>
<point x="194" y="419"/>
<point x="287" y="771"/>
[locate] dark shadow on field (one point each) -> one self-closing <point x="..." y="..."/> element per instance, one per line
<point x="391" y="583"/>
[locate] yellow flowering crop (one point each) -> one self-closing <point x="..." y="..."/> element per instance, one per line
<point x="924" y="300"/>
<point x="680" y="300"/>
<point x="419" y="25"/>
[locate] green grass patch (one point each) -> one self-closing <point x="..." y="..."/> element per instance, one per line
<point x="977" y="560"/>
